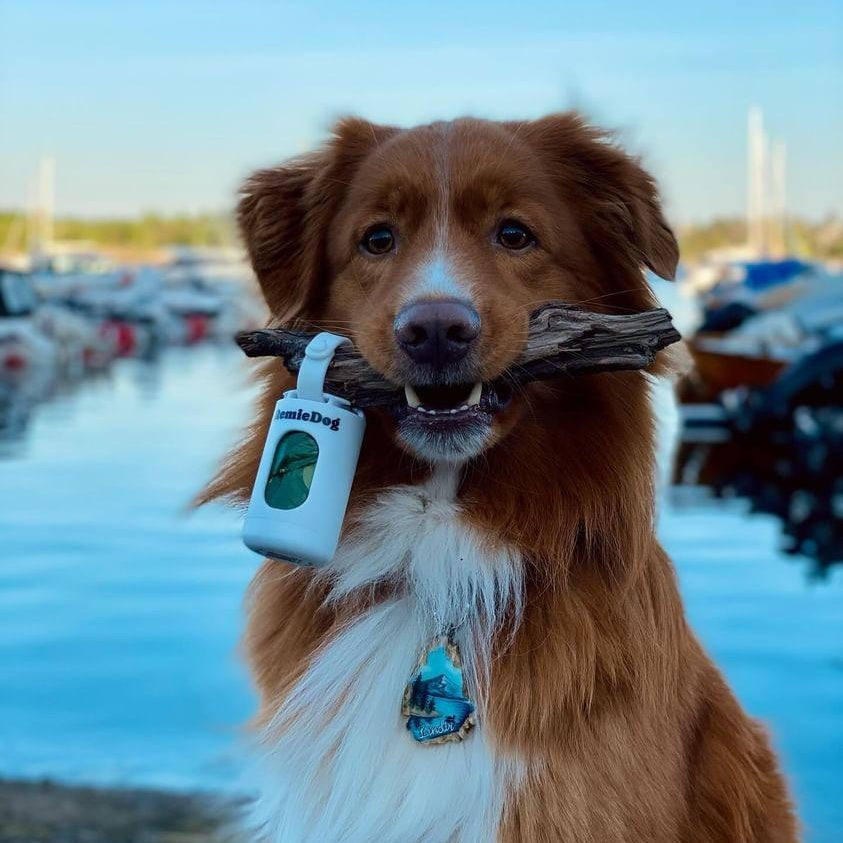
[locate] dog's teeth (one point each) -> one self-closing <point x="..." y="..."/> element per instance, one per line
<point x="414" y="402"/>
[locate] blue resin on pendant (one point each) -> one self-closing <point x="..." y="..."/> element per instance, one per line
<point x="435" y="703"/>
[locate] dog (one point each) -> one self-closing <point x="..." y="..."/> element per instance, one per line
<point x="515" y="524"/>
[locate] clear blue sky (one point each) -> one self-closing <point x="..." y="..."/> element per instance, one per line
<point x="159" y="105"/>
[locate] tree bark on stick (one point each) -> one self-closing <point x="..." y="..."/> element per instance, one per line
<point x="562" y="340"/>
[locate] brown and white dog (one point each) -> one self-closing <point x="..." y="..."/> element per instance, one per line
<point x="522" y="520"/>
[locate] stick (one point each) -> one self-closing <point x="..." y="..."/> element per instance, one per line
<point x="562" y="339"/>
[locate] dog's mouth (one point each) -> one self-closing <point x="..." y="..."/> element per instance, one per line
<point x="450" y="421"/>
<point x="443" y="402"/>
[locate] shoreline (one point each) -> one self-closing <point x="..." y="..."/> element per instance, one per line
<point x="47" y="811"/>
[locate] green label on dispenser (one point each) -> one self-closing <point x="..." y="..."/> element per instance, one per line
<point x="291" y="472"/>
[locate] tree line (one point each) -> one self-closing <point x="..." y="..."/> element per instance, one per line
<point x="147" y="231"/>
<point x="822" y="240"/>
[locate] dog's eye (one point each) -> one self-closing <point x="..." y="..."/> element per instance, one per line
<point x="378" y="240"/>
<point x="513" y="235"/>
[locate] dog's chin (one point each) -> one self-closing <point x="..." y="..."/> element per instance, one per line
<point x="452" y="423"/>
<point x="447" y="440"/>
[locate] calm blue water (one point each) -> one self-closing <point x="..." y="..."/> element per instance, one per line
<point x="119" y="615"/>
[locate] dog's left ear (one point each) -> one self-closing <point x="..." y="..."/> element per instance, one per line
<point x="620" y="197"/>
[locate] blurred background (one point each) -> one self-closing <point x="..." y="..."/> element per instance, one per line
<point x="124" y="132"/>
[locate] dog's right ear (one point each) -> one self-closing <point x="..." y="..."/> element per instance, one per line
<point x="284" y="214"/>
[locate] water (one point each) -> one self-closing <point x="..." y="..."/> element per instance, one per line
<point x="119" y="615"/>
<point x="778" y="637"/>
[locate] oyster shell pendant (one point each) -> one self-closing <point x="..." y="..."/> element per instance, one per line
<point x="435" y="702"/>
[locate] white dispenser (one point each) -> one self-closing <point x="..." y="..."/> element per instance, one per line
<point x="301" y="490"/>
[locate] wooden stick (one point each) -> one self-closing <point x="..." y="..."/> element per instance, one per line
<point x="562" y="340"/>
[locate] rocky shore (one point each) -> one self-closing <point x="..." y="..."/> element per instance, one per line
<point x="47" y="812"/>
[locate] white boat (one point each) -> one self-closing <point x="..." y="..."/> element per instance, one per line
<point x="25" y="352"/>
<point x="753" y="330"/>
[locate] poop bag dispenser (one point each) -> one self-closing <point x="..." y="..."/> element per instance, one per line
<point x="301" y="490"/>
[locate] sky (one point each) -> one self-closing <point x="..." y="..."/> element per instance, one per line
<point x="165" y="105"/>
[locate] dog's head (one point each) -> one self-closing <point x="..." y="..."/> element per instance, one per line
<point x="430" y="247"/>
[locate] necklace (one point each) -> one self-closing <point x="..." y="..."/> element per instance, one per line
<point x="435" y="703"/>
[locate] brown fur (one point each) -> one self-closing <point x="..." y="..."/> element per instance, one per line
<point x="632" y="731"/>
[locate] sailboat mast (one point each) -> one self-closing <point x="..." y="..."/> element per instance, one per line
<point x="756" y="155"/>
<point x="44" y="207"/>
<point x="778" y="172"/>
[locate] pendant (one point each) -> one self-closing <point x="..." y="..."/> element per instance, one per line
<point x="435" y="702"/>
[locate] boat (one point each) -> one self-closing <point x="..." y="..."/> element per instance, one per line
<point x="755" y="328"/>
<point x="25" y="353"/>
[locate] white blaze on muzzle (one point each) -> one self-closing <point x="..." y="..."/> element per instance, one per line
<point x="436" y="278"/>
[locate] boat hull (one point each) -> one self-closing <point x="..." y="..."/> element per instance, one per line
<point x="722" y="370"/>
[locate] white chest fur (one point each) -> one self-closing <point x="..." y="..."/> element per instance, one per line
<point x="341" y="765"/>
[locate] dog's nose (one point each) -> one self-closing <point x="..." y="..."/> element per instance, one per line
<point x="437" y="333"/>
